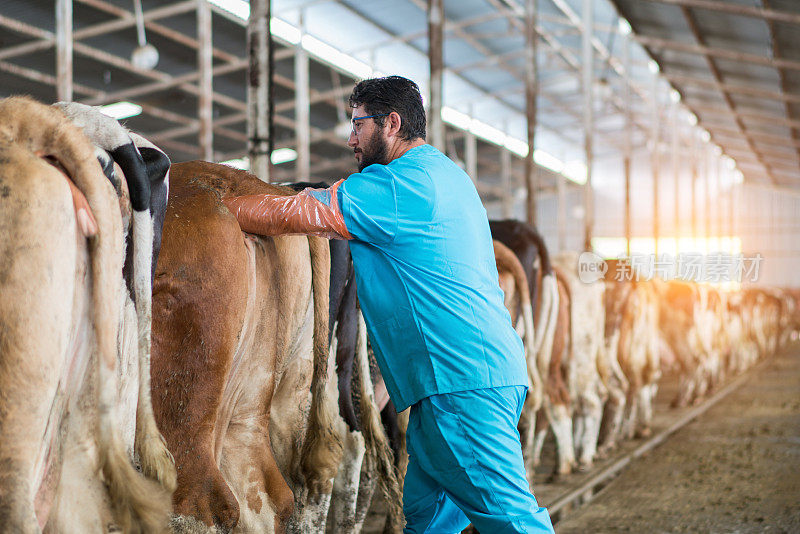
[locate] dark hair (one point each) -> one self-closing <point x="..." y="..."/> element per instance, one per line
<point x="392" y="93"/>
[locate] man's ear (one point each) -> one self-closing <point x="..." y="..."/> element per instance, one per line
<point x="395" y="122"/>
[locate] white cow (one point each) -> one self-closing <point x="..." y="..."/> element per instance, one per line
<point x="587" y="324"/>
<point x="67" y="334"/>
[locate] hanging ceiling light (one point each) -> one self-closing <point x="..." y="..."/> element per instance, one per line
<point x="144" y="56"/>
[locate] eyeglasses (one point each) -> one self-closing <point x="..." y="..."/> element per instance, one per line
<point x="357" y="126"/>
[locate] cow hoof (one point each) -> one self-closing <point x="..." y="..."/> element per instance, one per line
<point x="212" y="503"/>
<point x="643" y="433"/>
<point x="584" y="466"/>
<point x="678" y="403"/>
<point x="181" y="524"/>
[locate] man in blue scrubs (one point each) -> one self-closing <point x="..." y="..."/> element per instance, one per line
<point x="429" y="292"/>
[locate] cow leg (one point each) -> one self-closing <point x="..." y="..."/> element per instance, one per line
<point x="589" y="420"/>
<point x="686" y="380"/>
<point x="346" y="485"/>
<point x="646" y="397"/>
<point x="613" y="414"/>
<point x="542" y="426"/>
<point x="561" y="422"/>
<point x="395" y="520"/>
<point x="699" y="380"/>
<point x="631" y="414"/>
<point x="289" y="426"/>
<point x="199" y="308"/>
<point x="578" y="428"/>
<point x="81" y="503"/>
<point x="527" y="431"/>
<point x="367" y="484"/>
<point x="265" y="500"/>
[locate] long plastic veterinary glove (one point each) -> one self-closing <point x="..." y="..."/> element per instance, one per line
<point x="310" y="212"/>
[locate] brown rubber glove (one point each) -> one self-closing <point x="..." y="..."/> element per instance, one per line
<point x="310" y="212"/>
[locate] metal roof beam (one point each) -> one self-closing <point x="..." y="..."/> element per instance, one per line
<point x="735" y="9"/>
<point x="776" y="53"/>
<point x="99" y="29"/>
<point x="720" y="86"/>
<point x="123" y="64"/>
<point x="750" y="115"/>
<point x="148" y="88"/>
<point x="154" y="27"/>
<point x="762" y="137"/>
<point x="732" y="88"/>
<point x="668" y="44"/>
<point x="567" y="55"/>
<point x="449" y="27"/>
<point x="40" y="77"/>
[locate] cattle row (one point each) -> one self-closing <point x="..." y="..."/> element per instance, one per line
<point x="602" y="347"/>
<point x="160" y="369"/>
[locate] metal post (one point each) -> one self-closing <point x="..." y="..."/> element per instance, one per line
<point x="505" y="178"/>
<point x="655" y="162"/>
<point x="471" y="155"/>
<point x="731" y="190"/>
<point x="675" y="172"/>
<point x="301" y="111"/>
<point x="626" y="161"/>
<point x="737" y="207"/>
<point x="588" y="118"/>
<point x="205" y="64"/>
<point x="561" y="185"/>
<point x="258" y="88"/>
<point x="531" y="88"/>
<point x="64" y="50"/>
<point x="707" y="195"/>
<point x="717" y="204"/>
<point x="435" y="58"/>
<point x="694" y="163"/>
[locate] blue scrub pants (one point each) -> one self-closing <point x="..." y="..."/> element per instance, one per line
<point x="466" y="465"/>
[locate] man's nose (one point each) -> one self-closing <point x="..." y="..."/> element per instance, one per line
<point x="352" y="141"/>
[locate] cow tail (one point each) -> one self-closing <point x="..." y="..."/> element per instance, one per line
<point x="548" y="318"/>
<point x="379" y="454"/>
<point x="322" y="448"/>
<point x="156" y="460"/>
<point x="138" y="503"/>
<point x="523" y="289"/>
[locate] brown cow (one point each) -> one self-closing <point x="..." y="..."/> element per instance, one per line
<point x="518" y="302"/>
<point x="687" y="326"/>
<point x="240" y="326"/>
<point x="557" y="402"/>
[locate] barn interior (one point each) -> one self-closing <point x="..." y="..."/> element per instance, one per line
<point x="662" y="131"/>
<point x="691" y="103"/>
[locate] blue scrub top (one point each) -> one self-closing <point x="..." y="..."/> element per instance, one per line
<point x="427" y="278"/>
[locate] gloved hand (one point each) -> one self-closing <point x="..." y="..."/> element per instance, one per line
<point x="311" y="212"/>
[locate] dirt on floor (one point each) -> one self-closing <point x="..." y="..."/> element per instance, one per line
<point x="734" y="469"/>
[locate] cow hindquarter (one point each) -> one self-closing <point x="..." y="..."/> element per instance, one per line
<point x="268" y="392"/>
<point x="236" y="341"/>
<point x="53" y="443"/>
<point x="39" y="267"/>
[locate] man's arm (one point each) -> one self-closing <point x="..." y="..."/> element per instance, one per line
<point x="312" y="212"/>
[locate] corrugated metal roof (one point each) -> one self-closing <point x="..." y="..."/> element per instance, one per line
<point x="737" y="67"/>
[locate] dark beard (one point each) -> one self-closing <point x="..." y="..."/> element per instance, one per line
<point x="375" y="151"/>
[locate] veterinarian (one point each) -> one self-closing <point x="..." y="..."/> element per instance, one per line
<point x="428" y="288"/>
